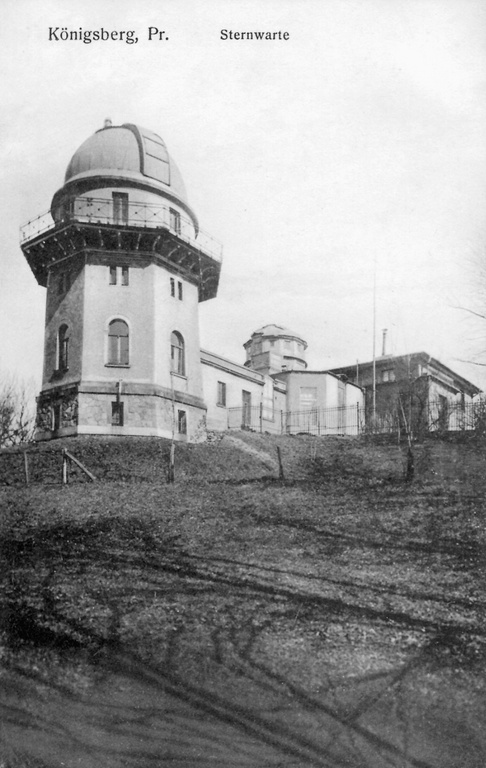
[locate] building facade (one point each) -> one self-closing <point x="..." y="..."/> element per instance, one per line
<point x="292" y="399"/>
<point x="414" y="392"/>
<point x="125" y="266"/>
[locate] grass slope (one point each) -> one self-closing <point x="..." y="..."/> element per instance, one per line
<point x="333" y="619"/>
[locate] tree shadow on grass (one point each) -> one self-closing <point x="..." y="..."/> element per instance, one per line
<point x="283" y="717"/>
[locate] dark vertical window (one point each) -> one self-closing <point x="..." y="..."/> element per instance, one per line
<point x="182" y="422"/>
<point x="221" y="393"/>
<point x="56" y="417"/>
<point x="63" y="348"/>
<point x="118" y="343"/>
<point x="120" y="207"/>
<point x="124" y="275"/>
<point x="112" y="275"/>
<point x="177" y="354"/>
<point x="117" y="416"/>
<point x="179" y="289"/>
<point x="175" y="221"/>
<point x="172" y="286"/>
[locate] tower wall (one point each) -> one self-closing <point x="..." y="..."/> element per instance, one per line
<point x="125" y="272"/>
<point x="64" y="306"/>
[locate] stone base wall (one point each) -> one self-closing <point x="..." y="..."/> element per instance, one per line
<point x="69" y="412"/>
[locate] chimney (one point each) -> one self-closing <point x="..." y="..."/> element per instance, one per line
<point x="383" y="351"/>
<point x="107" y="123"/>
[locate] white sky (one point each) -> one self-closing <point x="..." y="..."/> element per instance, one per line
<point x="361" y="139"/>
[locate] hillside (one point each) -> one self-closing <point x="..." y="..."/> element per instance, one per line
<point x="333" y="618"/>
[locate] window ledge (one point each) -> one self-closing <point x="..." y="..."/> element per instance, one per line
<point x="117" y="365"/>
<point x="179" y="375"/>
<point x="220" y="405"/>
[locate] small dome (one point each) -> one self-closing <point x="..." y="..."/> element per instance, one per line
<point x="125" y="155"/>
<point x="276" y="331"/>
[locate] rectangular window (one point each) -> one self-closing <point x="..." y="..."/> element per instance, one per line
<point x="308" y="398"/>
<point x="112" y="275"/>
<point x="308" y="406"/>
<point x="117" y="414"/>
<point x="118" y="350"/>
<point x="60" y="284"/>
<point x="172" y="286"/>
<point x="182" y="422"/>
<point x="124" y="275"/>
<point x="175" y="221"/>
<point x="221" y="393"/>
<point x="120" y="207"/>
<point x="246" y="409"/>
<point x="179" y="289"/>
<point x="388" y="375"/>
<point x="63" y="354"/>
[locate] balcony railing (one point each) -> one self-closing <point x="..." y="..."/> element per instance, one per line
<point x="92" y="210"/>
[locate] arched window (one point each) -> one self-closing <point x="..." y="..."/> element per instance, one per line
<point x="177" y="353"/>
<point x="118" y="343"/>
<point x="63" y="348"/>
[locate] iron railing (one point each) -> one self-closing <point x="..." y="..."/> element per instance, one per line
<point x="436" y="417"/>
<point x="317" y="421"/>
<point x="92" y="210"/>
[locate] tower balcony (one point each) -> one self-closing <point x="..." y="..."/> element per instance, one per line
<point x="144" y="228"/>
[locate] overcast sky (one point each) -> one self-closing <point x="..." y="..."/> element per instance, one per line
<point x="357" y="144"/>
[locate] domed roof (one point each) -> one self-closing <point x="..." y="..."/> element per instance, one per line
<point x="128" y="155"/>
<point x="276" y="331"/>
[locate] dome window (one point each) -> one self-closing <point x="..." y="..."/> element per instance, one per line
<point x="120" y="207"/>
<point x="175" y="221"/>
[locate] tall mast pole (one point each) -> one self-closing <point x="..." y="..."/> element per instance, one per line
<point x="374" y="345"/>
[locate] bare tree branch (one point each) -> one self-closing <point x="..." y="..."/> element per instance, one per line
<point x="17" y="408"/>
<point x="471" y="312"/>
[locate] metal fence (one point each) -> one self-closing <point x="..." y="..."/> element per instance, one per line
<point x="433" y="417"/>
<point x="317" y="421"/>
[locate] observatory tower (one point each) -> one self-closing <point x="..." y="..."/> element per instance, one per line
<point x="125" y="266"/>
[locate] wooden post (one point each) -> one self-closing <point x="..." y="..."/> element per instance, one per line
<point x="26" y="467"/>
<point x="261" y="417"/>
<point x="281" y="475"/>
<point x="64" y="467"/>
<point x="78" y="463"/>
<point x="171" y="470"/>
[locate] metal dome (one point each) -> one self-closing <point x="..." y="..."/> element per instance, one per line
<point x="275" y="331"/>
<point x="125" y="155"/>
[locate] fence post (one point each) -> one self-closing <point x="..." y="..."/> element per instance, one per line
<point x="26" y="467"/>
<point x="171" y="470"/>
<point x="261" y="417"/>
<point x="281" y="422"/>
<point x="281" y="475"/>
<point x="64" y="467"/>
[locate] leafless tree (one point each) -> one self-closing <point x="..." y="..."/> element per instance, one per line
<point x="17" y="410"/>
